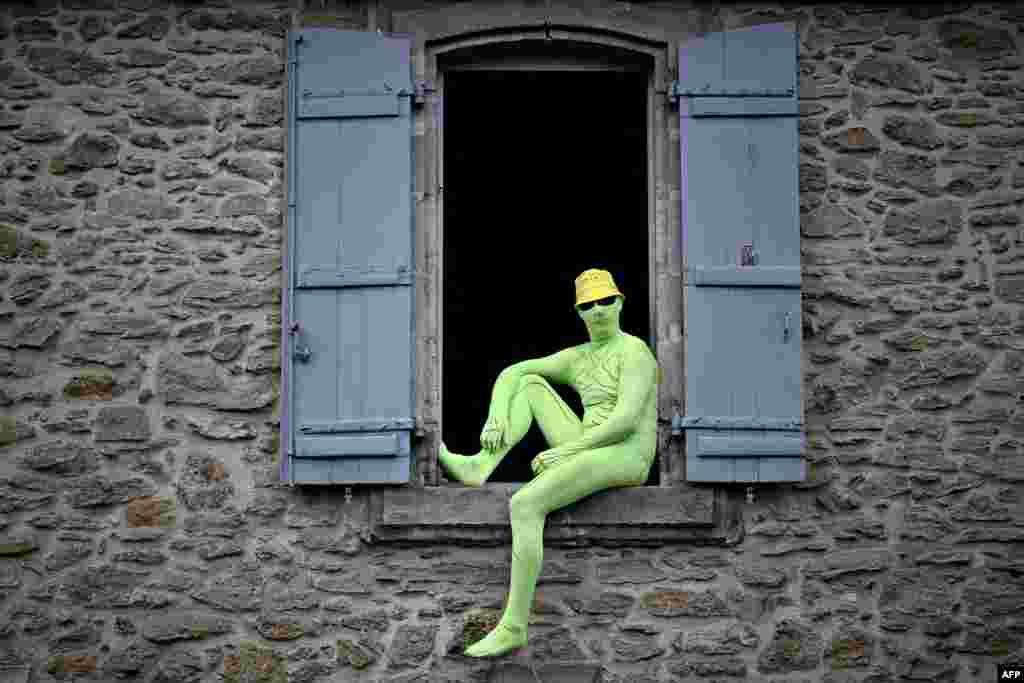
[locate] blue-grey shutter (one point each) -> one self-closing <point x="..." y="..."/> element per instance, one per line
<point x="348" y="370"/>
<point x="740" y="210"/>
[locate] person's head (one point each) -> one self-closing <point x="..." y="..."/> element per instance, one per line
<point x="599" y="303"/>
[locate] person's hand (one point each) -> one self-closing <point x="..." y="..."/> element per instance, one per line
<point x="493" y="436"/>
<point x="552" y="458"/>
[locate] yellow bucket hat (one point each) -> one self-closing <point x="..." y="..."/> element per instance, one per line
<point x="595" y="284"/>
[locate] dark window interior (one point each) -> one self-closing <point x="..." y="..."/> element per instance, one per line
<point x="545" y="176"/>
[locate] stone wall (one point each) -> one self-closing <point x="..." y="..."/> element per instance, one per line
<point x="144" y="535"/>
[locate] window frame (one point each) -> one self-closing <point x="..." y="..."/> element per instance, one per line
<point x="432" y="58"/>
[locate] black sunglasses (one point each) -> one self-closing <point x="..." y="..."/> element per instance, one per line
<point x="607" y="301"/>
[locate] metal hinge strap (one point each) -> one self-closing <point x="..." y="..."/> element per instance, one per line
<point x="677" y="91"/>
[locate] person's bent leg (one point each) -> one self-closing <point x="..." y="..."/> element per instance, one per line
<point x="533" y="399"/>
<point x="584" y="474"/>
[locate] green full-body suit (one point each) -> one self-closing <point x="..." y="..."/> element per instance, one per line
<point x="616" y="376"/>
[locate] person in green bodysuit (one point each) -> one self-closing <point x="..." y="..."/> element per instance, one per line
<point x="616" y="376"/>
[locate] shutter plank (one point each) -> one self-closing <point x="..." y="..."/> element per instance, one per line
<point x="740" y="186"/>
<point x="350" y="277"/>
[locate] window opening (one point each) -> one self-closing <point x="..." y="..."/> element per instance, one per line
<point x="545" y="176"/>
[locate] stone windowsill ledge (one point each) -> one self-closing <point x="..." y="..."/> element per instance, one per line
<point x="639" y="515"/>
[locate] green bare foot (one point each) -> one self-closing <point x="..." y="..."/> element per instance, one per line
<point x="471" y="470"/>
<point x="499" y="641"/>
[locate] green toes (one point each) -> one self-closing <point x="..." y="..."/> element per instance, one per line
<point x="501" y="640"/>
<point x="463" y="468"/>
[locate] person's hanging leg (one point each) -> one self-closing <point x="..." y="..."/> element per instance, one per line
<point x="580" y="476"/>
<point x="534" y="398"/>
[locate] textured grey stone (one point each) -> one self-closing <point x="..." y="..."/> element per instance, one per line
<point x="795" y="646"/>
<point x="180" y="169"/>
<point x="913" y="132"/>
<point x="697" y="603"/>
<point x="41" y="124"/>
<point x="889" y="72"/>
<point x="969" y="182"/>
<point x="30" y="30"/>
<point x="43" y="198"/>
<point x="93" y="27"/>
<point x="718" y="640"/>
<point x="239" y="20"/>
<point x="149" y="140"/>
<point x="204" y="483"/>
<point x="219" y="187"/>
<point x="996" y="138"/>
<point x="839" y="564"/>
<point x="931" y="368"/>
<point x="249" y="168"/>
<point x="222" y="428"/>
<point x="225" y="293"/>
<point x="875" y="279"/>
<point x="94" y="490"/>
<point x="143" y="57"/>
<point x="123" y="325"/>
<point x="374" y="620"/>
<point x="265" y="72"/>
<point x="995" y="220"/>
<point x="988" y="596"/>
<point x="132" y="164"/>
<point x="977" y="40"/>
<point x="904" y="169"/>
<point x="761" y="574"/>
<point x="555" y="645"/>
<point x="265" y="110"/>
<point x="70" y="67"/>
<point x="635" y="647"/>
<point x="628" y="571"/>
<point x="170" y="627"/>
<point x="65" y="555"/>
<point x="909" y="425"/>
<point x="243" y="205"/>
<point x="241" y="590"/>
<point x="32" y="332"/>
<point x="851" y="167"/>
<point x="719" y="666"/>
<point x="854" y="139"/>
<point x="830" y="221"/>
<point x="215" y="550"/>
<point x="267" y="141"/>
<point x="182" y="380"/>
<point x="813" y="177"/>
<point x="154" y="27"/>
<point x="28" y="286"/>
<point x="144" y="557"/>
<point x="101" y="585"/>
<point x="936" y="221"/>
<point x="142" y="204"/>
<point x="605" y="603"/>
<point x="92" y="151"/>
<point x="166" y="108"/>
<point x="61" y="458"/>
<point x="343" y="542"/>
<point x="131" y="659"/>
<point x="116" y="423"/>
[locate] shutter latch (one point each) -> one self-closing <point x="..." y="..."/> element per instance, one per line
<point x="301" y="352"/>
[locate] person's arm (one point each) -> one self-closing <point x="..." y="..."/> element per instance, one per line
<point x="638" y="379"/>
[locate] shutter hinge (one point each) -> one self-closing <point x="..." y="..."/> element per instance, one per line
<point x="419" y="91"/>
<point x="677" y="423"/>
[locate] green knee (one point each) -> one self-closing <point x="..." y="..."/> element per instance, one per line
<point x="522" y="507"/>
